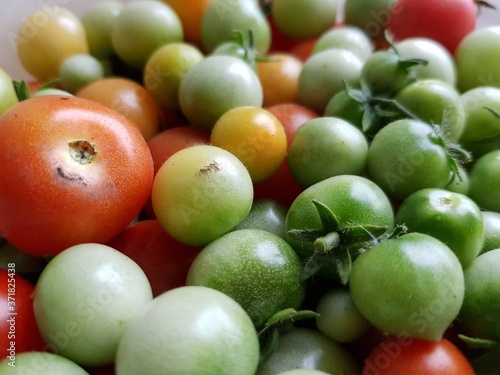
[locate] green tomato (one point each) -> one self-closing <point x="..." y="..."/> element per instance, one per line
<point x="354" y="200"/>
<point x="435" y="102"/>
<point x="405" y="156"/>
<point x="452" y="218"/>
<point x="85" y="298"/>
<point x="215" y="85"/>
<point x="339" y="318"/>
<point x="303" y="372"/>
<point x="481" y="306"/>
<point x="484" y="180"/>
<point x="308" y="349"/>
<point x="491" y="224"/>
<point x="347" y="37"/>
<point x="460" y="182"/>
<point x="256" y="268"/>
<point x="326" y="147"/>
<point x="201" y="193"/>
<point x="412" y="286"/>
<point x="222" y="18"/>
<point x="78" y="71"/>
<point x="323" y="75"/>
<point x="439" y="62"/>
<point x="8" y="97"/>
<point x="482" y="120"/>
<point x="142" y="27"/>
<point x="189" y="330"/>
<point x="477" y="59"/>
<point x="98" y="23"/>
<point x="40" y="363"/>
<point x="344" y="106"/>
<point x="268" y="215"/>
<point x="304" y="19"/>
<point x="369" y="15"/>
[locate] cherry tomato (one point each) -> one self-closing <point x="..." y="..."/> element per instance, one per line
<point x="50" y="363"/>
<point x="268" y="215"/>
<point x="18" y="329"/>
<point x="130" y="99"/>
<point x="37" y="35"/>
<point x="349" y="37"/>
<point x="164" y="260"/>
<point x="191" y="15"/>
<point x="484" y="179"/>
<point x="8" y="97"/>
<point x="255" y="137"/>
<point x="404" y="355"/>
<point x="491" y="224"/>
<point x="91" y="175"/>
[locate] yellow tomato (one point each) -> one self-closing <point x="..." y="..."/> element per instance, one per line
<point x="46" y="38"/>
<point x="253" y="135"/>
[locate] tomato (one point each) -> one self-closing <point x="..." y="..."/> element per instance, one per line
<point x="28" y="266"/>
<point x="401" y="292"/>
<point x="256" y="268"/>
<point x="324" y="74"/>
<point x="339" y="318"/>
<point x="189" y="330"/>
<point x="78" y="71"/>
<point x="142" y="27"/>
<point x="439" y="63"/>
<point x="215" y="85"/>
<point x="18" y="330"/>
<point x="348" y="37"/>
<point x="90" y="178"/>
<point x="435" y="102"/>
<point x="405" y="156"/>
<point x="200" y="193"/>
<point x="191" y="15"/>
<point x="344" y="106"/>
<point x="165" y="69"/>
<point x="266" y="214"/>
<point x="36" y="36"/>
<point x="476" y="59"/>
<point x="303" y="50"/>
<point x="222" y="19"/>
<point x="480" y="309"/>
<point x="302" y="372"/>
<point x="369" y="15"/>
<point x="484" y="179"/>
<point x="308" y="349"/>
<point x="85" y="298"/>
<point x="481" y="104"/>
<point x="491" y="224"/>
<point x="326" y="147"/>
<point x="450" y="217"/>
<point x="279" y="77"/>
<point x="304" y="19"/>
<point x="8" y="97"/>
<point x="417" y="18"/>
<point x="255" y="136"/>
<point x="164" y="260"/>
<point x="404" y="355"/>
<point x="353" y="200"/>
<point x="98" y="22"/>
<point x="41" y="362"/>
<point x="130" y="99"/>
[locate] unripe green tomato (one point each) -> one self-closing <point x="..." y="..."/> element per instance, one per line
<point x="348" y="37"/>
<point x="8" y="97"/>
<point x="78" y="71"/>
<point x="491" y="224"/>
<point x="484" y="180"/>
<point x="40" y="363"/>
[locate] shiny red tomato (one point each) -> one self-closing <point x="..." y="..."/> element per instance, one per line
<point x="18" y="330"/>
<point x="164" y="260"/>
<point x="73" y="171"/>
<point x="405" y="355"/>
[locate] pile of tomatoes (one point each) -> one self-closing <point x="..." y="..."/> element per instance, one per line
<point x="287" y="187"/>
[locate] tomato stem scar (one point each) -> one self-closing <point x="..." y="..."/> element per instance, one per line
<point x="82" y="151"/>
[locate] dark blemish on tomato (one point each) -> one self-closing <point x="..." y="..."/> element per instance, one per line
<point x="70" y="177"/>
<point x="64" y="98"/>
<point x="212" y="167"/>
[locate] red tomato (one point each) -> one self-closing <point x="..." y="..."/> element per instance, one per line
<point x="445" y="21"/>
<point x="74" y="171"/>
<point x="304" y="49"/>
<point x="405" y="355"/>
<point x="164" y="260"/>
<point x="279" y="41"/>
<point x="281" y="186"/>
<point x="18" y="330"/>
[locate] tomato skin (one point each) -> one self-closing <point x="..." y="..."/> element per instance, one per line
<point x="404" y="355"/>
<point x="18" y="330"/>
<point x="52" y="199"/>
<point x="164" y="260"/>
<point x="8" y="96"/>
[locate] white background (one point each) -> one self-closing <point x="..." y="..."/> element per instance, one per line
<point x="13" y="12"/>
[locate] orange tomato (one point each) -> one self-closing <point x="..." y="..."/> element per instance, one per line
<point x="130" y="99"/>
<point x="191" y="13"/>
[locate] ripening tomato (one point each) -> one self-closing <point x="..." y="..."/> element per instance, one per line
<point x="74" y="171"/>
<point x="191" y="15"/>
